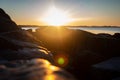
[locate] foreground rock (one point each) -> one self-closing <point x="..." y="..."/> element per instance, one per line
<point x="6" y="24"/>
<point x="106" y="70"/>
<point x="36" y="69"/>
<point x="16" y="43"/>
<point x="18" y="53"/>
<point x="80" y="49"/>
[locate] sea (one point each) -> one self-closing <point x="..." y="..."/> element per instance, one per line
<point x="95" y="30"/>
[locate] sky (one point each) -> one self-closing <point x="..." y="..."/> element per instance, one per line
<point x="89" y="12"/>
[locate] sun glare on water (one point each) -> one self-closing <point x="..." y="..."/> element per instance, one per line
<point x="56" y="17"/>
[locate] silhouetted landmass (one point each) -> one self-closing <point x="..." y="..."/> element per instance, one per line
<point x="69" y="26"/>
<point x="22" y="57"/>
<point x="83" y="48"/>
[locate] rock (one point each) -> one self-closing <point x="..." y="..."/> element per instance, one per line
<point x="17" y="48"/>
<point x="105" y="35"/>
<point x="83" y="48"/>
<point x="116" y="35"/>
<point x="35" y="69"/>
<point x="110" y="64"/>
<point x="116" y="78"/>
<point x="6" y="24"/>
<point x="16" y="43"/>
<point x="106" y="70"/>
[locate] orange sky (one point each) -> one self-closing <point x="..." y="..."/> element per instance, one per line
<point x="90" y="12"/>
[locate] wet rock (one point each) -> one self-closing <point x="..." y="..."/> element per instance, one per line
<point x="106" y="70"/>
<point x="17" y="48"/>
<point x="36" y="69"/>
<point x="105" y="35"/>
<point x="83" y="48"/>
<point x="16" y="43"/>
<point x="116" y="35"/>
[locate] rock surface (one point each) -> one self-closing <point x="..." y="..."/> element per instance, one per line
<point x="36" y="69"/>
<point x="80" y="49"/>
<point x="6" y="24"/>
<point x="21" y="57"/>
<point x="107" y="70"/>
<point x="16" y="43"/>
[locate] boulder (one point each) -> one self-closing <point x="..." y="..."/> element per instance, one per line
<point x="6" y="24"/>
<point x="16" y="43"/>
<point x="35" y="69"/>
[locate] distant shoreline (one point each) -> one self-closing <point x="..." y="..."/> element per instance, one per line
<point x="70" y="26"/>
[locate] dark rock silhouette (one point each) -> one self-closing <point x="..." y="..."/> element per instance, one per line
<point x="76" y="41"/>
<point x="106" y="70"/>
<point x="105" y="35"/>
<point x="35" y="69"/>
<point x="16" y="43"/>
<point x="18" y="53"/>
<point x="83" y="48"/>
<point x="116" y="35"/>
<point x="6" y="24"/>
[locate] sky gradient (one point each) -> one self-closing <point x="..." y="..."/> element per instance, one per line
<point x="90" y="12"/>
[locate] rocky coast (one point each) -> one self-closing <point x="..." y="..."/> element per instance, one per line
<point x="56" y="53"/>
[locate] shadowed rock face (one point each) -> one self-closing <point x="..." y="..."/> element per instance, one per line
<point x="83" y="49"/>
<point x="6" y="24"/>
<point x="16" y="43"/>
<point x="21" y="57"/>
<point x="36" y="69"/>
<point x="9" y="29"/>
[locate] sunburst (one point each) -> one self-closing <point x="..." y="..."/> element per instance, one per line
<point x="56" y="17"/>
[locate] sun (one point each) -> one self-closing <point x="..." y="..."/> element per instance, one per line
<point x="56" y="17"/>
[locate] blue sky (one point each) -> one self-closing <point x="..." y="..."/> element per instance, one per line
<point x="100" y="12"/>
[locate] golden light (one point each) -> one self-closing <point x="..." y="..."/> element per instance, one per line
<point x="50" y="77"/>
<point x="56" y="17"/>
<point x="53" y="68"/>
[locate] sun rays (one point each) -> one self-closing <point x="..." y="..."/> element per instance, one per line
<point x="56" y="17"/>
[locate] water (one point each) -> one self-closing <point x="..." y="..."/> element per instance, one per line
<point x="33" y="28"/>
<point x="96" y="30"/>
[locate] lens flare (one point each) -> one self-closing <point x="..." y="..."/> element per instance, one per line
<point x="61" y="61"/>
